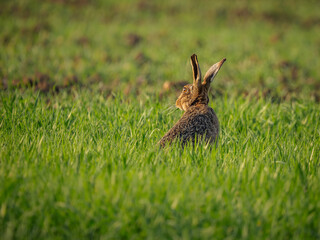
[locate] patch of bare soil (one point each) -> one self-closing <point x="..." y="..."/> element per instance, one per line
<point x="132" y="39"/>
<point x="83" y="41"/>
<point x="141" y="59"/>
<point x="41" y="82"/>
<point x="76" y="3"/>
<point x="35" y="29"/>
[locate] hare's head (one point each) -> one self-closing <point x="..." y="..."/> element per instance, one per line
<point x="197" y="93"/>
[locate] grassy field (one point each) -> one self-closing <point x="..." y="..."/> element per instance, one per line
<point x="83" y="104"/>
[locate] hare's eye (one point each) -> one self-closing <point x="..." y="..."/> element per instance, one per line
<point x="184" y="89"/>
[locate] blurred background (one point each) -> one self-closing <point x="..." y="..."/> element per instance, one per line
<point x="143" y="47"/>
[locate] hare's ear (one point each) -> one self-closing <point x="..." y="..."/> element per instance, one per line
<point x="211" y="73"/>
<point x="196" y="72"/>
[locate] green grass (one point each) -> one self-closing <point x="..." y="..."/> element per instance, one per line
<point x="83" y="162"/>
<point x="81" y="168"/>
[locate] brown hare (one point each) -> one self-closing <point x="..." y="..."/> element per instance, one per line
<point x="199" y="120"/>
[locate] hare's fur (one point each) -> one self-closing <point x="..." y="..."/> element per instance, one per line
<point x="199" y="121"/>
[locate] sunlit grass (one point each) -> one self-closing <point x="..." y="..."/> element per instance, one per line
<point x="81" y="167"/>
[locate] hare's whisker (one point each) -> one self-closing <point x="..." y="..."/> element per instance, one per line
<point x="173" y="110"/>
<point x="169" y="108"/>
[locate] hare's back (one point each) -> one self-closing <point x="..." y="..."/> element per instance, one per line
<point x="197" y="121"/>
<point x="200" y="121"/>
